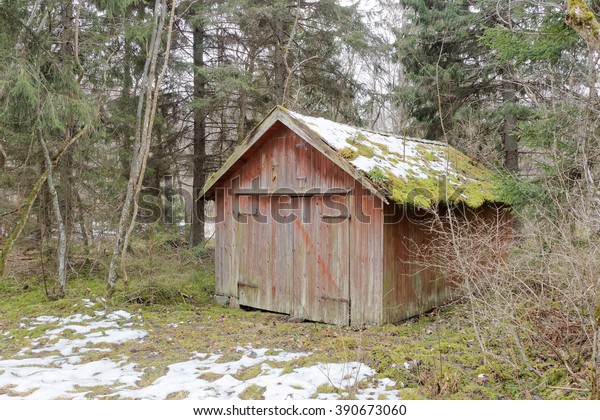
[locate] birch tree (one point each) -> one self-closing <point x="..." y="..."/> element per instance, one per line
<point x="146" y="111"/>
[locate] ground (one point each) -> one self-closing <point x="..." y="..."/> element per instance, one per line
<point x="163" y="337"/>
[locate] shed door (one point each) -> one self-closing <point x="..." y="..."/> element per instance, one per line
<point x="266" y="245"/>
<point x="321" y="269"/>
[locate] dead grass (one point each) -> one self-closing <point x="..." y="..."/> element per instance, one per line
<point x="248" y="373"/>
<point x="434" y="356"/>
<point x="181" y="395"/>
<point x="253" y="392"/>
<point x="210" y="376"/>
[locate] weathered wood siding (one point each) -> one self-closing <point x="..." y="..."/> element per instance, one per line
<point x="410" y="286"/>
<point x="346" y="258"/>
<point x="321" y="269"/>
<point x="322" y="263"/>
<point x="366" y="259"/>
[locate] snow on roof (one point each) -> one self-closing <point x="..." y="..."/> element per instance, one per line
<point x="413" y="171"/>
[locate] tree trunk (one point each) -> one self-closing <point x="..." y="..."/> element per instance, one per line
<point x="126" y="94"/>
<point x="146" y="111"/>
<point x="17" y="229"/>
<point x="279" y="65"/>
<point x="583" y="20"/>
<point x="67" y="202"/>
<point x="243" y="121"/>
<point x="198" y="218"/>
<point x="65" y="166"/>
<point x="87" y="237"/>
<point x="61" y="283"/>
<point x="509" y="138"/>
<point x="45" y="208"/>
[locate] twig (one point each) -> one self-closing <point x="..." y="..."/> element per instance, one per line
<point x="566" y="388"/>
<point x="42" y="264"/>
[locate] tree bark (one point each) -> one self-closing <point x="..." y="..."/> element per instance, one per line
<point x="279" y="64"/>
<point x="67" y="201"/>
<point x="509" y="138"/>
<point x="61" y="283"/>
<point x="583" y="20"/>
<point x="198" y="217"/>
<point x="44" y="211"/>
<point x="146" y="111"/>
<point x="243" y="121"/>
<point x="65" y="166"/>
<point x="87" y="237"/>
<point x="17" y="229"/>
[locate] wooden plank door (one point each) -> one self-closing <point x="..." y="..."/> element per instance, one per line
<point x="321" y="284"/>
<point x="264" y="274"/>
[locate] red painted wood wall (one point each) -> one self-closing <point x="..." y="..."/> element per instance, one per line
<point x="326" y="258"/>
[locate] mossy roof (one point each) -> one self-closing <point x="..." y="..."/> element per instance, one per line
<point x="407" y="170"/>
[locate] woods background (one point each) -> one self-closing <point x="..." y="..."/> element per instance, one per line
<point x="109" y="104"/>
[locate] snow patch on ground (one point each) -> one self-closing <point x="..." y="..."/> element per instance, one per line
<point x="52" y="368"/>
<point x="204" y="377"/>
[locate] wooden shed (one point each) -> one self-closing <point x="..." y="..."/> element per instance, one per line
<point x="316" y="219"/>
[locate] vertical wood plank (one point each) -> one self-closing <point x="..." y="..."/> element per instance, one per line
<point x="366" y="268"/>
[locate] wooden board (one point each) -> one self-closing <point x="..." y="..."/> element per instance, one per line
<point x="366" y="258"/>
<point x="321" y="288"/>
<point x="264" y="279"/>
<point x="297" y="268"/>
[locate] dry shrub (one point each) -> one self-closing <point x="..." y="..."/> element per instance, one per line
<point x="542" y="291"/>
<point x="158" y="292"/>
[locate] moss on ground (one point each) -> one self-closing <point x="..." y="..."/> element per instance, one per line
<point x="434" y="356"/>
<point x="248" y="373"/>
<point x="253" y="392"/>
<point x="328" y="389"/>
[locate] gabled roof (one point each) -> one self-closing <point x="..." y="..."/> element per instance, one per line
<point x="399" y="169"/>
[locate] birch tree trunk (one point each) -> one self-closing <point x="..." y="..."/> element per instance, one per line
<point x="62" y="235"/>
<point x="148" y="97"/>
<point x="17" y="229"/>
<point x="65" y="167"/>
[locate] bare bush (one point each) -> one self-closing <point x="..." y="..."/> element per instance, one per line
<point x="543" y="292"/>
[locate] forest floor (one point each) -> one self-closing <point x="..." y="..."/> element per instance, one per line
<point x="162" y="336"/>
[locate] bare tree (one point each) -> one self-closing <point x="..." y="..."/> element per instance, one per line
<point x="146" y="111"/>
<point x="25" y="210"/>
<point x="62" y="235"/>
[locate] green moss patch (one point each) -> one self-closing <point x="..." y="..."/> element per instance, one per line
<point x="232" y="357"/>
<point x="248" y="373"/>
<point x="442" y="356"/>
<point x="328" y="389"/>
<point x="378" y="176"/>
<point x="253" y="392"/>
<point x="210" y="376"/>
<point x="361" y="143"/>
<point x="466" y="181"/>
<point x="348" y="153"/>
